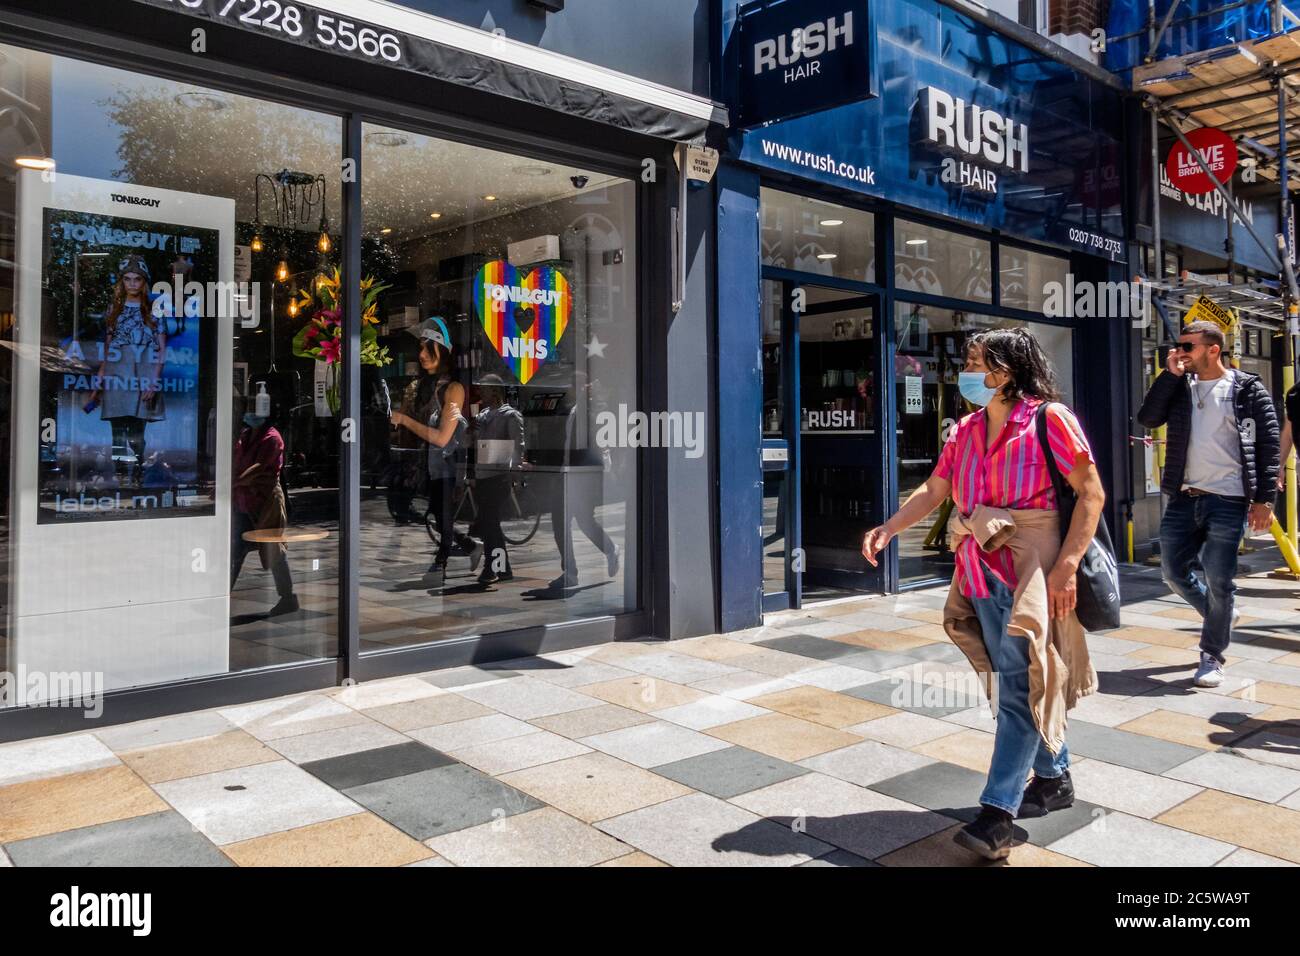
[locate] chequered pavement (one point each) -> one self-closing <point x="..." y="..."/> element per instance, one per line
<point x="847" y="734"/>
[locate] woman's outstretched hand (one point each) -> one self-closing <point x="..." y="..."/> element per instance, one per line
<point x="875" y="541"/>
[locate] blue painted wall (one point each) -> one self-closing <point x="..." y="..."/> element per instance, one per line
<point x="740" y="400"/>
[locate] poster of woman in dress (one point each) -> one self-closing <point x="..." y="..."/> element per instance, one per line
<point x="127" y="370"/>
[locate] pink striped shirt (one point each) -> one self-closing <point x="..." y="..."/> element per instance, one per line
<point x="1011" y="474"/>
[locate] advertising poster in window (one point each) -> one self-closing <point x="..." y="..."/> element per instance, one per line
<point x="128" y="368"/>
<point x="123" y="343"/>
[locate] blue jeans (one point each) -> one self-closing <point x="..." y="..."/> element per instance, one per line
<point x="1017" y="745"/>
<point x="1209" y="527"/>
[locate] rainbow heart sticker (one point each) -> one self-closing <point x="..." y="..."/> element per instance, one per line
<point x="524" y="314"/>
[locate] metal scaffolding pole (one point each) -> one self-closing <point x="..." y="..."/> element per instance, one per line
<point x="1157" y="252"/>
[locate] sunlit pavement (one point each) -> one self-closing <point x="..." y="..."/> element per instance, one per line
<point x="845" y="734"/>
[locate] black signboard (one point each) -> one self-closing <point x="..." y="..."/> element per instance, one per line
<point x="803" y="56"/>
<point x="375" y="43"/>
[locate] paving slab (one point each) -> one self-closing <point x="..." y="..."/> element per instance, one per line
<point x="155" y="839"/>
<point x="442" y="800"/>
<point x="700" y="830"/>
<point x="234" y="805"/>
<point x="729" y="772"/>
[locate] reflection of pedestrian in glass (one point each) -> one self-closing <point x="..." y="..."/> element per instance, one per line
<point x="258" y="505"/>
<point x="444" y="430"/>
<point x="406" y="474"/>
<point x="500" y="435"/>
<point x="578" y="490"/>
<point x="130" y="373"/>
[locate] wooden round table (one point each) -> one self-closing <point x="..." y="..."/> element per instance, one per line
<point x="283" y="536"/>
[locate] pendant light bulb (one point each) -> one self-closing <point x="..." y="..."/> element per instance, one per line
<point x="323" y="243"/>
<point x="282" y="271"/>
<point x="256" y="244"/>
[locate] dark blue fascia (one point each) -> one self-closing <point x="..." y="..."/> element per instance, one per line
<point x="1071" y="194"/>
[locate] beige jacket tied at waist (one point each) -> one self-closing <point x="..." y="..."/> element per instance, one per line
<point x="1060" y="671"/>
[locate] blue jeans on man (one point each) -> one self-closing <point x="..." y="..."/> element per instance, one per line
<point x="1208" y="527"/>
<point x="1017" y="744"/>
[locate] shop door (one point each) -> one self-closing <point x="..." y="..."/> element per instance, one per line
<point x="821" y="449"/>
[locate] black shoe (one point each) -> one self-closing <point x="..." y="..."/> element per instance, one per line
<point x="564" y="582"/>
<point x="488" y="576"/>
<point x="287" y="605"/>
<point x="989" y="834"/>
<point x="1045" y="794"/>
<point x="433" y="578"/>
<point x="506" y="575"/>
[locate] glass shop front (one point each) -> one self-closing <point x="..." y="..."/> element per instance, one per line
<point x="187" y="498"/>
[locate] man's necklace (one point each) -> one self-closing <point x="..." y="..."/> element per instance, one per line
<point x="1200" y="399"/>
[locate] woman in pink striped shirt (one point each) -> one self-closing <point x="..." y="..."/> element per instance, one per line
<point x="993" y="457"/>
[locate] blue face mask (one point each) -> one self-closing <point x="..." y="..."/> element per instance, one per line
<point x="973" y="389"/>
<point x="253" y="421"/>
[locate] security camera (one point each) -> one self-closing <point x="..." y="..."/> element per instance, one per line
<point x="578" y="181"/>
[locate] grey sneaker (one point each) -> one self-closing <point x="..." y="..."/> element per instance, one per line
<point x="1210" y="673"/>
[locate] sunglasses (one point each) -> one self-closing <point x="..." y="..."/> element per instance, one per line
<point x="1188" y="346"/>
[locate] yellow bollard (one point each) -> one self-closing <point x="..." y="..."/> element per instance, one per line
<point x="1288" y="551"/>
<point x="1289" y="488"/>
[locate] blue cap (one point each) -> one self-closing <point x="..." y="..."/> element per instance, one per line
<point x="434" y="329"/>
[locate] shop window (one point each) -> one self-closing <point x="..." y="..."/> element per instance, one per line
<point x="1026" y="278"/>
<point x="939" y="262"/>
<point x="174" y="507"/>
<point x="500" y="431"/>
<point x="809" y="235"/>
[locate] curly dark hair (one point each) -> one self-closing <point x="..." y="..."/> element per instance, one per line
<point x="1018" y="353"/>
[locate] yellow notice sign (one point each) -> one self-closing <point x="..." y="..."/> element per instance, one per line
<point x="1207" y="310"/>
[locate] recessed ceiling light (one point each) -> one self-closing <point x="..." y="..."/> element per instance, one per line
<point x="533" y="170"/>
<point x="386" y="230"/>
<point x="201" y="100"/>
<point x="832" y="222"/>
<point x="489" y="198"/>
<point x="827" y="255"/>
<point x="916" y="242"/>
<point x="34" y="162"/>
<point x="435" y="215"/>
<point x="387" y="137"/>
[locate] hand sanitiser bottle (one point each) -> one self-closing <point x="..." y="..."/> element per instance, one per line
<point x="262" y="402"/>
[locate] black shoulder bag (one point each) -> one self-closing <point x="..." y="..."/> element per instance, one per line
<point x="1097" y="604"/>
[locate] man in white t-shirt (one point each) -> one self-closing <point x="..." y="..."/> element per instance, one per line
<point x="1220" y="475"/>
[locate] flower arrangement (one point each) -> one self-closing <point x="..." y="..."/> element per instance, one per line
<point x="321" y="339"/>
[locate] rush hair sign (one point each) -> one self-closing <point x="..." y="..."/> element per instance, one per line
<point x="1214" y="147"/>
<point x="802" y="56"/>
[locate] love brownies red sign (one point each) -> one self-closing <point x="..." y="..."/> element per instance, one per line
<point x="1218" y="151"/>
